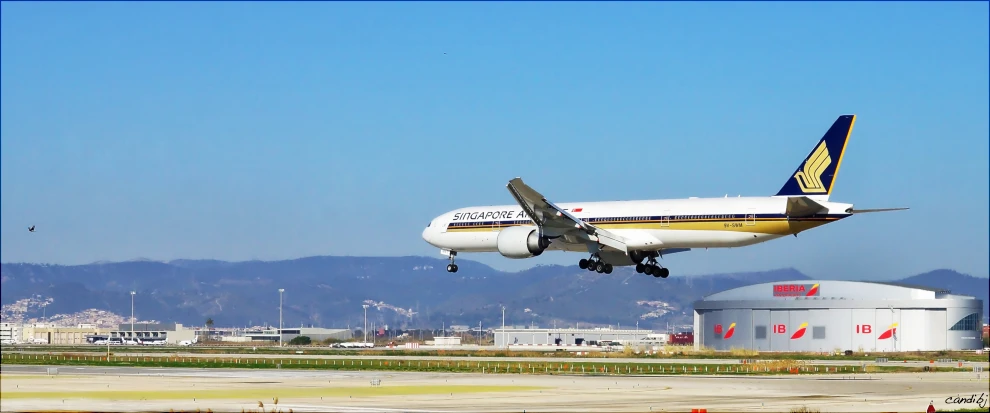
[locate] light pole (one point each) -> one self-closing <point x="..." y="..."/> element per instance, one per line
<point x="505" y="338"/>
<point x="365" y="329"/>
<point x="280" y="291"/>
<point x="132" y="315"/>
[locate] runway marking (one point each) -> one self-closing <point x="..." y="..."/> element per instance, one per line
<point x="13" y="376"/>
<point x="322" y="408"/>
<point x="264" y="394"/>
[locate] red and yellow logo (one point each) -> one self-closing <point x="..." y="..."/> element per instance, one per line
<point x="796" y="290"/>
<point x="800" y="331"/>
<point x="730" y="331"/>
<point x="891" y="330"/>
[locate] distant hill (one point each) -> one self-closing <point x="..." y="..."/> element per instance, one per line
<point x="955" y="282"/>
<point x="405" y="291"/>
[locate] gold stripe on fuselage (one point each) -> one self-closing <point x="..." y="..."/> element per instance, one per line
<point x="775" y="226"/>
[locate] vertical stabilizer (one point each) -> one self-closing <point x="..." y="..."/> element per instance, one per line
<point x="815" y="176"/>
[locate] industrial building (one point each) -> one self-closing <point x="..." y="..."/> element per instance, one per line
<point x="46" y="333"/>
<point x="10" y="333"/>
<point x="168" y="333"/>
<point x="287" y="334"/>
<point x="571" y="336"/>
<point x="825" y="316"/>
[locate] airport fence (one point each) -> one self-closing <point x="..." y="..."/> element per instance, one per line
<point x="668" y="352"/>
<point x="773" y="367"/>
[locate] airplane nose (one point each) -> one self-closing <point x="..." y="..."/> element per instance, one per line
<point x="428" y="235"/>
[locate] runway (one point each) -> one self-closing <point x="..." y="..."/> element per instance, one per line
<point x="26" y="388"/>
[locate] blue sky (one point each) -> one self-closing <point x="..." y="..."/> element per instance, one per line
<point x="272" y="131"/>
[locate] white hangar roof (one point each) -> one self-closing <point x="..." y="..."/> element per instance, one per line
<point x="830" y="289"/>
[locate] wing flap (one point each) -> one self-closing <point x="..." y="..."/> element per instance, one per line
<point x="555" y="221"/>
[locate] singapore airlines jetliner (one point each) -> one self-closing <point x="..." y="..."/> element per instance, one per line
<point x="639" y="232"/>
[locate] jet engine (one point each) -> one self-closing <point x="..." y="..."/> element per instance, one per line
<point x="521" y="242"/>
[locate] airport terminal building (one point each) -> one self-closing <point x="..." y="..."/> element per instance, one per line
<point x="827" y="316"/>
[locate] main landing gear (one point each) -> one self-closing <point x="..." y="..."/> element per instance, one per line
<point x="452" y="267"/>
<point x="652" y="268"/>
<point x="595" y="264"/>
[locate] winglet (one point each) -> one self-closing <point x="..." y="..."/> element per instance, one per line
<point x="815" y="176"/>
<point x="516" y="187"/>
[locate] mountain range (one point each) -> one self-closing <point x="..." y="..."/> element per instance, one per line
<point x="403" y="292"/>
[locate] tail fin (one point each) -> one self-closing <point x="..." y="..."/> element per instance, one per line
<point x="815" y="176"/>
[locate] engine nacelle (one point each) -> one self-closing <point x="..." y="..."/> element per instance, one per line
<point x="521" y="242"/>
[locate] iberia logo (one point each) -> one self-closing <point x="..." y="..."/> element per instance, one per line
<point x="800" y="331"/>
<point x="730" y="331"/>
<point x="891" y="330"/>
<point x="812" y="291"/>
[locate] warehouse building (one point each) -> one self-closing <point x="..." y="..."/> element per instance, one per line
<point x="46" y="333"/>
<point x="314" y="333"/>
<point x="825" y="316"/>
<point x="570" y="336"/>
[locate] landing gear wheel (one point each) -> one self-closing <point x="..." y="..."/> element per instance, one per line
<point x="657" y="271"/>
<point x="590" y="264"/>
<point x="608" y="268"/>
<point x="653" y="268"/>
<point x="452" y="267"/>
<point x="600" y="267"/>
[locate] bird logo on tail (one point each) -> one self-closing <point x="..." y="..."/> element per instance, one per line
<point x="810" y="177"/>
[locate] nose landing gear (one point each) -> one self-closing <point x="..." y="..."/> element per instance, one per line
<point x="452" y="267"/>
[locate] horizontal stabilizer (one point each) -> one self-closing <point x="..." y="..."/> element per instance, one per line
<point x="802" y="206"/>
<point x="863" y="211"/>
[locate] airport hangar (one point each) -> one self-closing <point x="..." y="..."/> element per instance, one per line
<point x="825" y="316"/>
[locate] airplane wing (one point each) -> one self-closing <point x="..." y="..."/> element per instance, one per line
<point x="555" y="221"/>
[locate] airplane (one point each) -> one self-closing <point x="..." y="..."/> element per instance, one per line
<point x="624" y="233"/>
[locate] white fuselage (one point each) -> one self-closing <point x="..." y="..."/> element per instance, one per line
<point x="648" y="225"/>
<point x="638" y="232"/>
